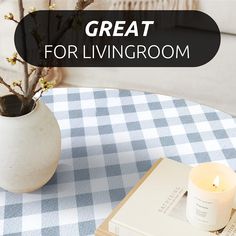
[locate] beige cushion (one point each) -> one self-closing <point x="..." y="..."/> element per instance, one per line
<point x="223" y="12"/>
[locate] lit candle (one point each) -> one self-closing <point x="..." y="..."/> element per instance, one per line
<point x="211" y="191"/>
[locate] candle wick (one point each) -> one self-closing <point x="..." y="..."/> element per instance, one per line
<point x="214" y="186"/>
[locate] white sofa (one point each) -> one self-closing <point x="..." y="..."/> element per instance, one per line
<point x="213" y="84"/>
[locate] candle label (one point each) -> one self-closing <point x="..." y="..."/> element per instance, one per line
<point x="205" y="211"/>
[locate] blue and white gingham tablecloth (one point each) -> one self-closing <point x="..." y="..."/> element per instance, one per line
<point x="110" y="138"/>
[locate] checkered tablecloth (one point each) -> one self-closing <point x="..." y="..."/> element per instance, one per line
<point x="109" y="140"/>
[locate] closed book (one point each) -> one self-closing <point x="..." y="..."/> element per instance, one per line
<point x="157" y="207"/>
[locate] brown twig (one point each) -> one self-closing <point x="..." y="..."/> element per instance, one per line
<point x="2" y="107"/>
<point x="10" y="88"/>
<point x="36" y="91"/>
<point x="14" y="20"/>
<point x="26" y="78"/>
<point x="32" y="70"/>
<point x="44" y="72"/>
<point x="82" y="4"/>
<point x="41" y="94"/>
<point x="22" y="62"/>
<point x="34" y="81"/>
<point x="20" y="87"/>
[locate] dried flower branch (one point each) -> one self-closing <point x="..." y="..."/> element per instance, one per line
<point x="32" y="70"/>
<point x="82" y="4"/>
<point x="32" y="9"/>
<point x="11" y="90"/>
<point x="10" y="16"/>
<point x="52" y="6"/>
<point x="18" y="84"/>
<point x="34" y="76"/>
<point x="46" y="85"/>
<point x="34" y="81"/>
<point x="12" y="60"/>
<point x="25" y="65"/>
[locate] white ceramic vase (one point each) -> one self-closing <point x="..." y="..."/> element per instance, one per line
<point x="30" y="148"/>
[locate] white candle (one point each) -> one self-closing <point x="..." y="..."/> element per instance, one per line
<point x="211" y="191"/>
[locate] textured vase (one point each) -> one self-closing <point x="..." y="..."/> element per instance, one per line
<point x="30" y="148"/>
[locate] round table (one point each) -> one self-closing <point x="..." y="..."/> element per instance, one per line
<point x="110" y="138"/>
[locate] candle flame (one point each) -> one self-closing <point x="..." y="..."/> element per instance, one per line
<point x="216" y="182"/>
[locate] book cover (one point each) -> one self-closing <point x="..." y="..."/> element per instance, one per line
<point x="158" y="205"/>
